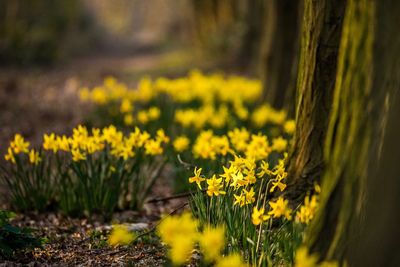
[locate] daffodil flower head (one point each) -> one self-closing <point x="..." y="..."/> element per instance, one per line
<point x="34" y="157"/>
<point x="212" y="241"/>
<point x="197" y="177"/>
<point x="280" y="208"/>
<point x="258" y="216"/>
<point x="215" y="186"/>
<point x="120" y="235"/>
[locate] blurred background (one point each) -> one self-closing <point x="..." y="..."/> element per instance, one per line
<point x="49" y="49"/>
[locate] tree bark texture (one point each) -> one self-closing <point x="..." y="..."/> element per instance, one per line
<point x="279" y="47"/>
<point x="320" y="38"/>
<point x="358" y="214"/>
<point x="368" y="72"/>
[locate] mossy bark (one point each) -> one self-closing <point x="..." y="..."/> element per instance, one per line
<point x="278" y="52"/>
<point x="320" y="38"/>
<point x="362" y="92"/>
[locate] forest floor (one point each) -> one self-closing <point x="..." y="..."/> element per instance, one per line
<point x="42" y="100"/>
<point x="81" y="241"/>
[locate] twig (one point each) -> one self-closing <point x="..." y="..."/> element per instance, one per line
<point x="181" y="195"/>
<point x="188" y="166"/>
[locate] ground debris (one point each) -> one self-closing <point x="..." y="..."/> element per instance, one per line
<point x="78" y="242"/>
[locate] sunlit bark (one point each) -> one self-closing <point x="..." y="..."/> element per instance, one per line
<point x="320" y="38"/>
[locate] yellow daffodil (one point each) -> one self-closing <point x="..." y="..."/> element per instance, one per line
<point x="120" y="235"/>
<point x="142" y="117"/>
<point x="239" y="138"/>
<point x="212" y="241"/>
<point x="34" y="157"/>
<point x="10" y="155"/>
<point x="153" y="147"/>
<point x="128" y="119"/>
<point x="228" y="172"/>
<point x="304" y="259"/>
<point x="180" y="250"/>
<point x="50" y="142"/>
<point x="19" y="145"/>
<point x="278" y="184"/>
<point x="239" y="199"/>
<point x="258" y="216"/>
<point x="289" y="126"/>
<point x="154" y="113"/>
<point x="77" y="155"/>
<point x="63" y="143"/>
<point x="126" y="106"/>
<point x="238" y="180"/>
<point x="214" y="186"/>
<point x="249" y="195"/>
<point x="181" y="143"/>
<point x="197" y="177"/>
<point x="161" y="137"/>
<point x="232" y="260"/>
<point x="280" y="208"/>
<point x="279" y="144"/>
<point x="258" y="148"/>
<point x="307" y="211"/>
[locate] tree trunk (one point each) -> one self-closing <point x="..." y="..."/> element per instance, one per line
<point x="248" y="53"/>
<point x="368" y="67"/>
<point x="279" y="47"/>
<point x="378" y="242"/>
<point x="321" y="31"/>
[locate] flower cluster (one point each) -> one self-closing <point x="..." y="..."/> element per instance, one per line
<point x="91" y="170"/>
<point x="309" y="208"/>
<point x="181" y="233"/>
<point x="214" y="122"/>
<point x="20" y="146"/>
<point x="196" y="86"/>
<point x="83" y="143"/>
<point x="197" y="101"/>
<point x="208" y="145"/>
<point x="246" y="192"/>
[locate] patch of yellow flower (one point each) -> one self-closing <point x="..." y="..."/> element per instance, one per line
<point x="181" y="233"/>
<point x="280" y="208"/>
<point x="197" y="177"/>
<point x="120" y="235"/>
<point x="19" y="146"/>
<point x="219" y="98"/>
<point x="233" y="260"/>
<point x="308" y="210"/>
<point x="266" y="114"/>
<point x="258" y="216"/>
<point x="82" y="143"/>
<point x="215" y="186"/>
<point x="304" y="259"/>
<point x="208" y="145"/>
<point x="181" y="143"/>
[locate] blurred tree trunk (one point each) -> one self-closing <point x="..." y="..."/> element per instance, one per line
<point x="320" y="38"/>
<point x="38" y="31"/>
<point x="368" y="73"/>
<point x="254" y="25"/>
<point x="279" y="47"/>
<point x="216" y="24"/>
<point x="378" y="241"/>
